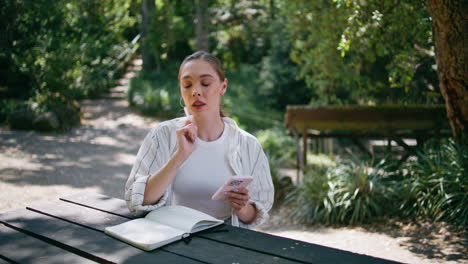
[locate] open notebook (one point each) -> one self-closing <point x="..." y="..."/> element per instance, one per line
<point x="162" y="226"/>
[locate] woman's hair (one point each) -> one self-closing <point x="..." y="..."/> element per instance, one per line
<point x="205" y="56"/>
<point x="213" y="61"/>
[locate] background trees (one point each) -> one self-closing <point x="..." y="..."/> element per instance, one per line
<point x="343" y="51"/>
<point x="53" y="53"/>
<point x="319" y="52"/>
<point x="322" y="52"/>
<point x="365" y="51"/>
<point x="325" y="52"/>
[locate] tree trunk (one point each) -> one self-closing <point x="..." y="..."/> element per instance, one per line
<point x="202" y="24"/>
<point x="147" y="7"/>
<point x="272" y="9"/>
<point x="450" y="31"/>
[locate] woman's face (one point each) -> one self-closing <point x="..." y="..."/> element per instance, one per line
<point x="201" y="88"/>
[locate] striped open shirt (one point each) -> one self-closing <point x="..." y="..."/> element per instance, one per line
<point x="246" y="157"/>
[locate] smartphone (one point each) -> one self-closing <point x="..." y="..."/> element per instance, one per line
<point x="233" y="182"/>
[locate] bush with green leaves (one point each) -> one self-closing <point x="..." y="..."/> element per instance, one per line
<point x="243" y="102"/>
<point x="62" y="113"/>
<point x="435" y="185"/>
<point x="65" y="50"/>
<point x="156" y="93"/>
<point x="277" y="82"/>
<point x="350" y="193"/>
<point x="69" y="47"/>
<point x="278" y="145"/>
<point x="353" y="51"/>
<point x="8" y="107"/>
<point x="66" y="110"/>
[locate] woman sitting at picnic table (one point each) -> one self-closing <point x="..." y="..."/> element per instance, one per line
<point x="183" y="161"/>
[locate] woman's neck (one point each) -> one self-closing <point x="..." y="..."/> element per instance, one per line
<point x="209" y="128"/>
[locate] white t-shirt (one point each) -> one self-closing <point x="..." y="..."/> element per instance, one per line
<point x="198" y="178"/>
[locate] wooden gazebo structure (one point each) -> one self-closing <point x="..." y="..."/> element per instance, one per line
<point x="391" y="122"/>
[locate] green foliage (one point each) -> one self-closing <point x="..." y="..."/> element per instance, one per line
<point x="277" y="145"/>
<point x="241" y="32"/>
<point x="350" y="193"/>
<point x="277" y="83"/>
<point x="322" y="52"/>
<point x="321" y="160"/>
<point x="243" y="103"/>
<point x="352" y="51"/>
<point x="66" y="50"/>
<point x="156" y="93"/>
<point x="433" y="186"/>
<point x="436" y="184"/>
<point x="8" y="107"/>
<point x="67" y="111"/>
<point x="171" y="26"/>
<point x="67" y="47"/>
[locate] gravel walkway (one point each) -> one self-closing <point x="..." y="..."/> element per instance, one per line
<point x="97" y="157"/>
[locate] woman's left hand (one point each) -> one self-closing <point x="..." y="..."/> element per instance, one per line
<point x="238" y="198"/>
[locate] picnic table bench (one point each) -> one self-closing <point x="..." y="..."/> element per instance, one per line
<point x="71" y="230"/>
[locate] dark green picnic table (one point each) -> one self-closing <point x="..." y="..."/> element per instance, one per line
<point x="71" y="230"/>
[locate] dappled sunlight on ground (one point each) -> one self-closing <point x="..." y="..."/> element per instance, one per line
<point x="113" y="114"/>
<point x="95" y="157"/>
<point x="20" y="160"/>
<point x="14" y="195"/>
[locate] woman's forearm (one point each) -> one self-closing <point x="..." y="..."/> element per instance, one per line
<point x="157" y="184"/>
<point x="248" y="213"/>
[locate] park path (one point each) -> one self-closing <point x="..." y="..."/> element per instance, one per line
<point x="98" y="155"/>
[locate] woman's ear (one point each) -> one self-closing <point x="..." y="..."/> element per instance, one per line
<point x="224" y="87"/>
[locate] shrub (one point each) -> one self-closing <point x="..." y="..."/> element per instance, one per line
<point x="320" y="160"/>
<point x="309" y="200"/>
<point x="243" y="101"/>
<point x="156" y="93"/>
<point x="43" y="112"/>
<point x="8" y="107"/>
<point x="277" y="145"/>
<point x="435" y="185"/>
<point x="66" y="110"/>
<point x="349" y="193"/>
<point x="277" y="82"/>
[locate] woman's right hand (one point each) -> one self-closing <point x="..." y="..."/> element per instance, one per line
<point x="157" y="184"/>
<point x="186" y="137"/>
